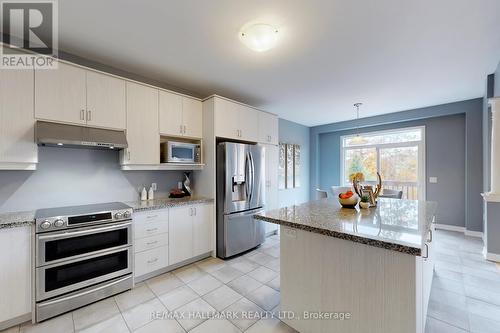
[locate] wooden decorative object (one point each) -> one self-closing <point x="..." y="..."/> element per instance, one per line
<point x="358" y="188"/>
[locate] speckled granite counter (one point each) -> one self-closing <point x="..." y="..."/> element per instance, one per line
<point x="399" y="225"/>
<point x="19" y="219"/>
<point x="161" y="203"/>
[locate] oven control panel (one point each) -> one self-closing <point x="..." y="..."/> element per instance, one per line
<point x="54" y="223"/>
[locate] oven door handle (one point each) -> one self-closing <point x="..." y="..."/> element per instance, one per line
<point x="85" y="292"/>
<point x="84" y="232"/>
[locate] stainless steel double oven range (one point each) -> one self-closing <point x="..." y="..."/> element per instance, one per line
<point x="82" y="254"/>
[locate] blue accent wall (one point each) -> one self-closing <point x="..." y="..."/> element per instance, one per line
<point x="453" y="154"/>
<point x="290" y="132"/>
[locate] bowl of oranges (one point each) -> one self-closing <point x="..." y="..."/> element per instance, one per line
<point x="348" y="199"/>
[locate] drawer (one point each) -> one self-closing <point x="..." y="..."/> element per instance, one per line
<point x="151" y="260"/>
<point x="142" y="230"/>
<point x="151" y="242"/>
<point x="151" y="216"/>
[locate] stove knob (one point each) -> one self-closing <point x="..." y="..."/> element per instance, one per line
<point x="58" y="223"/>
<point x="126" y="214"/>
<point x="45" y="224"/>
<point x="118" y="215"/>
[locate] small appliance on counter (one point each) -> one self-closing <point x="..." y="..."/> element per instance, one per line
<point x="183" y="188"/>
<point x="82" y="254"/>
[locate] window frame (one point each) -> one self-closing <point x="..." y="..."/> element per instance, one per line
<point x="421" y="178"/>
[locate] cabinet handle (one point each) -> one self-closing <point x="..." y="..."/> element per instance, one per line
<point x="152" y="243"/>
<point x="190" y="211"/>
<point x="184" y="129"/>
<point x="128" y="154"/>
<point x="150" y="230"/>
<point x="180" y="129"/>
<point x="152" y="260"/>
<point x="194" y="211"/>
<point x="82" y="114"/>
<point x="152" y="216"/>
<point x="426" y="251"/>
<point x="430" y="236"/>
<point x="89" y="115"/>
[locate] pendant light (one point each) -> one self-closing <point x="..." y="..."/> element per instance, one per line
<point x="357" y="105"/>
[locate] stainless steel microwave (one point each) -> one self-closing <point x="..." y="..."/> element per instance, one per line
<point x="180" y="152"/>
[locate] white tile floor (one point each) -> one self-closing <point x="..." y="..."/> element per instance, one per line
<point x="465" y="296"/>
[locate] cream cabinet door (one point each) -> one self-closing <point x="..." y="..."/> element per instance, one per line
<point x="272" y="156"/>
<point x="15" y="275"/>
<point x="202" y="229"/>
<point x="268" y="128"/>
<point x="60" y="94"/>
<point x="142" y="125"/>
<point x="17" y="139"/>
<point x="192" y="117"/>
<point x="226" y="119"/>
<point x="106" y="101"/>
<point x="248" y="123"/>
<point x="170" y="113"/>
<point x="180" y="234"/>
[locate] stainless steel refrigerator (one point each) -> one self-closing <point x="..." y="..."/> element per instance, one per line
<point x="240" y="195"/>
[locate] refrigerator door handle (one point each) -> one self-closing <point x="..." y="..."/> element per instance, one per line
<point x="252" y="167"/>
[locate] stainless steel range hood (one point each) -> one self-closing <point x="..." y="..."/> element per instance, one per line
<point x="53" y="134"/>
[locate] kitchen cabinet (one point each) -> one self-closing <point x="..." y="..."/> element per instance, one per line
<point x="236" y="121"/>
<point x="180" y="115"/>
<point x="105" y="101"/>
<point x="427" y="274"/>
<point x="71" y="94"/>
<point x="190" y="232"/>
<point x="202" y="229"/>
<point x="271" y="182"/>
<point x="180" y="234"/>
<point x="15" y="275"/>
<point x="150" y="241"/>
<point x="18" y="150"/>
<point x="142" y="126"/>
<point x="268" y="128"/>
<point x="60" y="94"/>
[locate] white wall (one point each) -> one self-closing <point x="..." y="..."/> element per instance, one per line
<point x="68" y="176"/>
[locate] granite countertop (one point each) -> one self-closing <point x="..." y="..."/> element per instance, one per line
<point x="399" y="225"/>
<point x="26" y="218"/>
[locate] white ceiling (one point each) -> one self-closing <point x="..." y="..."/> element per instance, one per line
<point x="392" y="55"/>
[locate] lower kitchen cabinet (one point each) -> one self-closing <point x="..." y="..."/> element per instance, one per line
<point x="15" y="273"/>
<point x="190" y="232"/>
<point x="151" y="260"/>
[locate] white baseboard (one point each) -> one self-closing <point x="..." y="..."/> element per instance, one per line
<point x="474" y="233"/>
<point x="491" y="256"/>
<point x="449" y="227"/>
<point x="459" y="229"/>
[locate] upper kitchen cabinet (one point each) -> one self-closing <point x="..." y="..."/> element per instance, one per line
<point x="236" y="121"/>
<point x="180" y="115"/>
<point x="106" y="101"/>
<point x="60" y="94"/>
<point x="71" y="94"/>
<point x="192" y="117"/>
<point x="18" y="150"/>
<point x="268" y="128"/>
<point x="142" y="126"/>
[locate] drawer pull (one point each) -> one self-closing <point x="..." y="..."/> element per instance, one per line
<point x="151" y="230"/>
<point x="152" y="260"/>
<point x="152" y="243"/>
<point x="152" y="216"/>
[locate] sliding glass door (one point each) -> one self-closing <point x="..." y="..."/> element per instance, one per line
<point x="398" y="155"/>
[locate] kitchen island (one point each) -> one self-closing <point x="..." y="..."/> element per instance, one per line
<point x="351" y="270"/>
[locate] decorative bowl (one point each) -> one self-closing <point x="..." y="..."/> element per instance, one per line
<point x="364" y="205"/>
<point x="349" y="202"/>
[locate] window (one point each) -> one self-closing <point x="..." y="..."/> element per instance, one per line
<point x="398" y="155"/>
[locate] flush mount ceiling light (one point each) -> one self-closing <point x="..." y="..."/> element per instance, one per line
<point x="259" y="37"/>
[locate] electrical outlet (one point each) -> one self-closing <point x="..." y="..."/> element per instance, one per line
<point x="154" y="186"/>
<point x="433" y="180"/>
